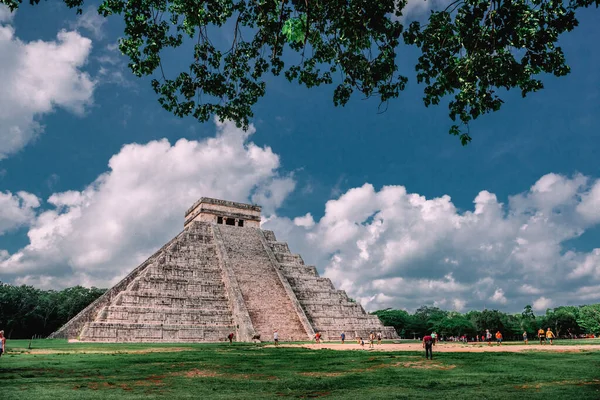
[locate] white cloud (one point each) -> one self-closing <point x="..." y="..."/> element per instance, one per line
<point x="498" y="297"/>
<point x="589" y="207"/>
<point x="409" y="250"/>
<point x="306" y="221"/>
<point x="16" y="210"/>
<point x="420" y="9"/>
<point x="90" y="21"/>
<point x="96" y="235"/>
<point x="37" y="77"/>
<point x="5" y="14"/>
<point x="542" y="304"/>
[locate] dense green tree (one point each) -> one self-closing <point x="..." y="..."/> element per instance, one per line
<point x="487" y="319"/>
<point x="397" y="318"/>
<point x="589" y="318"/>
<point x="26" y="311"/>
<point x="469" y="50"/>
<point x="563" y="321"/>
<point x="455" y="324"/>
<point x="527" y="322"/>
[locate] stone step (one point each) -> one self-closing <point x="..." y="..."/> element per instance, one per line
<point x="265" y="298"/>
<point x="351" y="335"/>
<point x="270" y="236"/>
<point x="132" y="332"/>
<point x="342" y="313"/>
<point x="169" y="316"/>
<point x="174" y="287"/>
<point x="164" y="300"/>
<point x="332" y="296"/>
<point x="342" y="321"/>
<point x="178" y="273"/>
<point x="288" y="258"/>
<point x="280" y="247"/>
<point x="311" y="284"/>
<point x="298" y="270"/>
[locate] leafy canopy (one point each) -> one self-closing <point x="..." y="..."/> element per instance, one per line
<point x="469" y="50"/>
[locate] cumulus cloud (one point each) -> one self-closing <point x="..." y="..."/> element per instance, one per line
<point x="5" y="14"/>
<point x="91" y="22"/>
<point x="392" y="248"/>
<point x="16" y="210"/>
<point x="98" y="234"/>
<point x="37" y="77"/>
<point x="420" y="9"/>
<point x="542" y="304"/>
<point x="306" y="221"/>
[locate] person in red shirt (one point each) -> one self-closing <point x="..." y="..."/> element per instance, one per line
<point x="428" y="346"/>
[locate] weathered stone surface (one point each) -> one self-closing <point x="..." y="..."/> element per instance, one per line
<point x="214" y="279"/>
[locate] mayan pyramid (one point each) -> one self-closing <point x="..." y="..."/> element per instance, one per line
<point x="221" y="275"/>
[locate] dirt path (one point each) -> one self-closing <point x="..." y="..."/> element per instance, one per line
<point x="449" y="347"/>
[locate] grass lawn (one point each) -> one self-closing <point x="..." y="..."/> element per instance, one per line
<point x="58" y="370"/>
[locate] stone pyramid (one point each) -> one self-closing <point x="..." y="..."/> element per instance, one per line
<point x="221" y="275"/>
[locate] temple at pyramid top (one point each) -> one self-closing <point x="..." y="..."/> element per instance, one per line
<point x="223" y="212"/>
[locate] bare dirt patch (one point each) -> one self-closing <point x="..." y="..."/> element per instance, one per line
<point x="449" y="347"/>
<point x="206" y="373"/>
<point x="322" y="374"/>
<point x="539" y="385"/>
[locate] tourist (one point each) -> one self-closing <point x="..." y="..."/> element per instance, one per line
<point x="379" y="337"/>
<point x="499" y="338"/>
<point x="318" y="337"/>
<point x="428" y="346"/>
<point x="549" y="335"/>
<point x="276" y="337"/>
<point x="434" y="337"/>
<point x="488" y="337"/>
<point x="371" y="339"/>
<point x="525" y="337"/>
<point x="541" y="335"/>
<point x="361" y="342"/>
<point x="230" y="337"/>
<point x="343" y="337"/>
<point x="2" y="343"/>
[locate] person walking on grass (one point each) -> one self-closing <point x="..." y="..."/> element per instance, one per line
<point x="318" y="337"/>
<point x="230" y="337"/>
<point x="343" y="337"/>
<point x="2" y="343"/>
<point x="550" y="336"/>
<point x="499" y="338"/>
<point x="428" y="346"/>
<point x="276" y="337"/>
<point x="379" y="338"/>
<point x="488" y="337"/>
<point x="525" y="337"/>
<point x="541" y="335"/>
<point x="434" y="337"/>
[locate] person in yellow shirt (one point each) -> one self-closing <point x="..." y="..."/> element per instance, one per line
<point x="541" y="335"/>
<point x="549" y="335"/>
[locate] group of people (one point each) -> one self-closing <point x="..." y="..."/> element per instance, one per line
<point x="372" y="337"/>
<point x="545" y="337"/>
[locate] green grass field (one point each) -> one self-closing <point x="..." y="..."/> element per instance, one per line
<point x="58" y="370"/>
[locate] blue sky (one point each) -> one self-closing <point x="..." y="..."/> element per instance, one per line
<point x="71" y="218"/>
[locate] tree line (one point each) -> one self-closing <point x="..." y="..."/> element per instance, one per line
<point x="26" y="311"/>
<point x="565" y="321"/>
